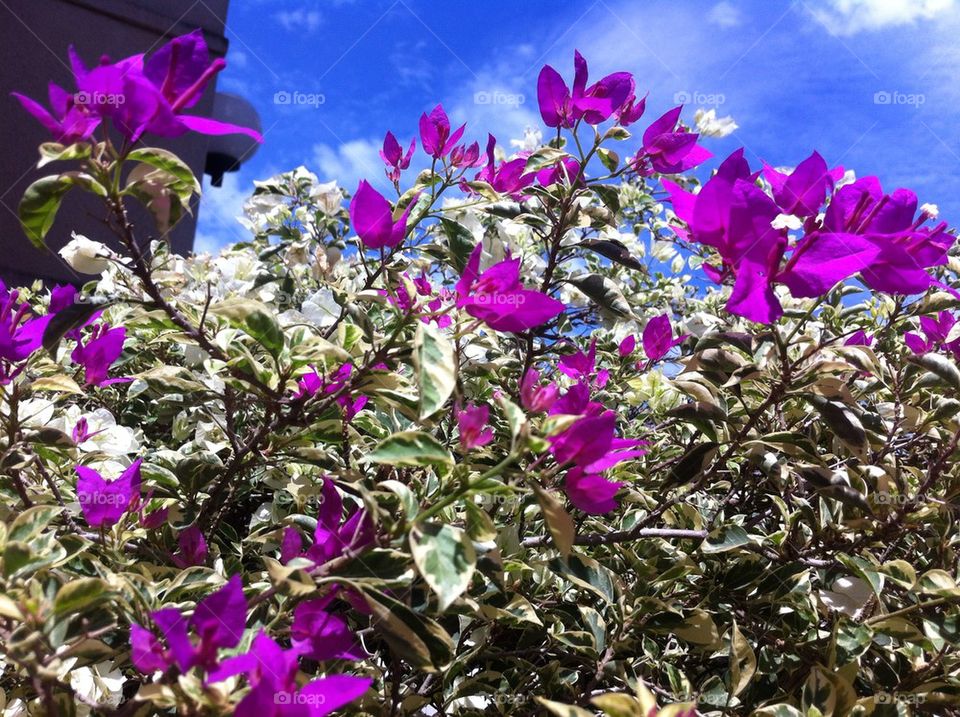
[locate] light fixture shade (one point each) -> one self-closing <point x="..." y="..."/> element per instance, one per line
<point x="225" y="153"/>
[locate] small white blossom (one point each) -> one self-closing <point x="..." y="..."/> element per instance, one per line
<point x="709" y="125"/>
<point x="86" y="256"/>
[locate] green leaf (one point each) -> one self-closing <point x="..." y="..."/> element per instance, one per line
<point x="56" y="152"/>
<point x="543" y="157"/>
<point x="604" y="292"/>
<point x="558" y="520"/>
<point x="615" y="251"/>
<point x="460" y="242"/>
<point x="614" y="704"/>
<point x="415" y="638"/>
<point x="693" y="463"/>
<point x="609" y="195"/>
<point x="445" y="557"/>
<point x="743" y="661"/>
<point x="39" y="205"/>
<point x="587" y="573"/>
<point x="729" y="537"/>
<point x="610" y="159"/>
<point x="940" y="366"/>
<point x="77" y="595"/>
<point x="559" y="709"/>
<point x="33" y="521"/>
<point x="255" y="319"/>
<point x="843" y="422"/>
<point x="433" y="362"/>
<point x="410" y="448"/>
<point x="168" y="162"/>
<point x="69" y="318"/>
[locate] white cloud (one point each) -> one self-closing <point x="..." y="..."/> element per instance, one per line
<point x="725" y="15"/>
<point x="348" y="163"/>
<point x="848" y="17"/>
<point x="218" y="212"/>
<point x="299" y="20"/>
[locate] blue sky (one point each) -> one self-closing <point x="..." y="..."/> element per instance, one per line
<point x="870" y="84"/>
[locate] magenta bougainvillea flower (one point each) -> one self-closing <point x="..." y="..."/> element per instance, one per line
<point x="435" y="136"/>
<point x="402" y="298"/>
<point x="627" y="346"/>
<point x="20" y="336"/>
<point x="217" y="622"/>
<point x="192" y="548"/>
<point x="372" y="218"/>
<point x="859" y="338"/>
<point x="508" y="177"/>
<point x="591" y="446"/>
<point x="393" y="156"/>
<point x="319" y="634"/>
<point x="561" y="106"/>
<point x="862" y="212"/>
<point x="313" y="383"/>
<point x="68" y="122"/>
<point x="497" y="297"/>
<point x="464" y="157"/>
<point x="97" y="353"/>
<point x="534" y="396"/>
<point x="658" y="337"/>
<point x="104" y="502"/>
<point x="802" y="191"/>
<point x="149" y="96"/>
<point x="566" y="171"/>
<point x="576" y="402"/>
<point x="936" y="332"/>
<point x="333" y="536"/>
<point x="737" y="218"/>
<point x="591" y="492"/>
<point x="631" y="110"/>
<point x="583" y="366"/>
<point x="668" y="147"/>
<point x="272" y="671"/>
<point x="472" y="423"/>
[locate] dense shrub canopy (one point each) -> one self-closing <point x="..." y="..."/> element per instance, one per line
<point x="557" y="432"/>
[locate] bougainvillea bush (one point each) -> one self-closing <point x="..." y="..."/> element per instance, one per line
<point x="562" y="432"/>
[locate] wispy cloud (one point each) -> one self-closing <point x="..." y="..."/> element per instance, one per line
<point x="298" y="20"/>
<point x="725" y="14"/>
<point x="849" y="17"/>
<point x="349" y="162"/>
<point x="219" y="209"/>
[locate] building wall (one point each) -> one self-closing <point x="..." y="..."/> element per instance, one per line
<point x="34" y="36"/>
